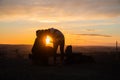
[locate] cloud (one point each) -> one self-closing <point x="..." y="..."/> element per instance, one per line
<point x="90" y="30"/>
<point x="99" y="35"/>
<point x="59" y="10"/>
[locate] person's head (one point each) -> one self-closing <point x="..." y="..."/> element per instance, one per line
<point x="39" y="33"/>
<point x="46" y="31"/>
<point x="51" y="30"/>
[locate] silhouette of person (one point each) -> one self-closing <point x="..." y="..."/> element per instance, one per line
<point x="58" y="40"/>
<point x="38" y="46"/>
<point x="69" y="57"/>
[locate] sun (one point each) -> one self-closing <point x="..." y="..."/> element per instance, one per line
<point x="48" y="40"/>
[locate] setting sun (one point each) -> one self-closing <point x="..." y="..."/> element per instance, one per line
<point x="48" y="40"/>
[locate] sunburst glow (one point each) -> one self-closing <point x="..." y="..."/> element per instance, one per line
<point x="48" y="40"/>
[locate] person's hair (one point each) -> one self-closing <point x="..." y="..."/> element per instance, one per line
<point x="39" y="32"/>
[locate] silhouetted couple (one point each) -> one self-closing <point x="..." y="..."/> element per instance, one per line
<point x="39" y="46"/>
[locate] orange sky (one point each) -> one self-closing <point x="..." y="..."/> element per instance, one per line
<point x="83" y="22"/>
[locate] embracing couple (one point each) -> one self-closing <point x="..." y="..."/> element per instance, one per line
<point x="58" y="40"/>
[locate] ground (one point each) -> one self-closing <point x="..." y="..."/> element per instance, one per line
<point x="15" y="65"/>
<point x="22" y="69"/>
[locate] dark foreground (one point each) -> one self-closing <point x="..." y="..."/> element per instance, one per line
<point x="20" y="69"/>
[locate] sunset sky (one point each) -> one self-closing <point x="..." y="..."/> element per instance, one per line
<point x="83" y="22"/>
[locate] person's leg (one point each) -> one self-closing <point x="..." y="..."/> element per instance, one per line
<point x="62" y="50"/>
<point x="55" y="46"/>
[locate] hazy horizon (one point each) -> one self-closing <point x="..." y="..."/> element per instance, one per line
<point x="71" y="45"/>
